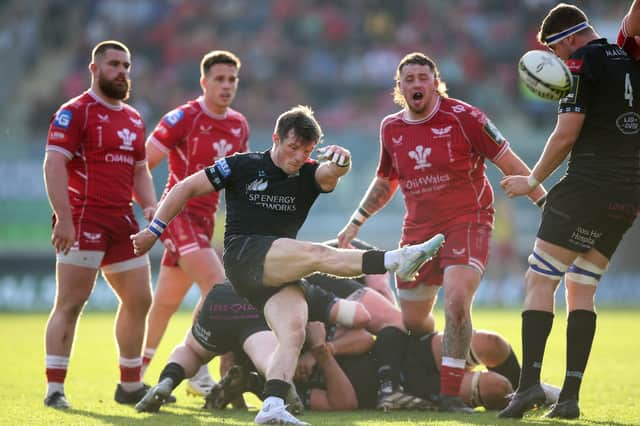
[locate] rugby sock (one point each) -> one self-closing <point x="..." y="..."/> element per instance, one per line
<point x="581" y="327"/>
<point x="130" y="373"/>
<point x="536" y="326"/>
<point x="147" y="356"/>
<point x="374" y="262"/>
<point x="174" y="372"/>
<point x="509" y="368"/>
<point x="451" y="374"/>
<point x="56" y="371"/>
<point x="389" y="351"/>
<point x="275" y="388"/>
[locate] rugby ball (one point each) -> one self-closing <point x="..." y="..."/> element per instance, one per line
<point x="545" y="74"/>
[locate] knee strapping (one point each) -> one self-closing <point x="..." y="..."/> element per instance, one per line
<point x="346" y="312"/>
<point x="544" y="264"/>
<point x="584" y="272"/>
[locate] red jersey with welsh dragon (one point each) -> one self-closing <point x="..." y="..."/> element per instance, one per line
<point x="104" y="143"/>
<point x="194" y="138"/>
<point x="439" y="163"/>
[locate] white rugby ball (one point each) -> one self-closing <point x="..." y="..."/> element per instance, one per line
<point x="544" y="74"/>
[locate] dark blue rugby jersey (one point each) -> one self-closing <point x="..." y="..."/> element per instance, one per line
<point x="260" y="198"/>
<point x="606" y="87"/>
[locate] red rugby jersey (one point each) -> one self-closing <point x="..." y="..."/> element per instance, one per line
<point x="439" y="162"/>
<point x="193" y="137"/>
<point x="103" y="143"/>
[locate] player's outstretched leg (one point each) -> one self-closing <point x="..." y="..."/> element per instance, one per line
<point x="155" y="397"/>
<point x="407" y="260"/>
<point x="524" y="400"/>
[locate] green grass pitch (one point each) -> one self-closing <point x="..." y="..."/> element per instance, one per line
<point x="610" y="392"/>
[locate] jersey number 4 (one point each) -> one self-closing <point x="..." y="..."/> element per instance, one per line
<point x="628" y="90"/>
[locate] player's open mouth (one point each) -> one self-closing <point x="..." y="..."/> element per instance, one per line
<point x="417" y="96"/>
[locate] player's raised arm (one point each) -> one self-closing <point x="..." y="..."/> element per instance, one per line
<point x="377" y="196"/>
<point x="632" y="20"/>
<point x="555" y="151"/>
<point x="337" y="163"/>
<point x="510" y="164"/>
<point x="193" y="186"/>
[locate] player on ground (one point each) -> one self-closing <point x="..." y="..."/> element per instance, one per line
<point x="193" y="136"/>
<point x="228" y="323"/>
<point x="95" y="160"/>
<point x="434" y="150"/>
<point x="268" y="196"/>
<point x="589" y="210"/>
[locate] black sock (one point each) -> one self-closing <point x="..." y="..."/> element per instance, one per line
<point x="536" y="326"/>
<point x="277" y="388"/>
<point x="510" y="368"/>
<point x="173" y="371"/>
<point x="389" y="351"/>
<point x="373" y="262"/>
<point x="581" y="327"/>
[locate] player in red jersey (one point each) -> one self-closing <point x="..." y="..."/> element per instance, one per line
<point x="629" y="35"/>
<point x="193" y="136"/>
<point x="434" y="150"/>
<point x="95" y="160"/>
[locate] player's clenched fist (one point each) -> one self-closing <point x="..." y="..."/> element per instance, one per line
<point x="143" y="241"/>
<point x="336" y="154"/>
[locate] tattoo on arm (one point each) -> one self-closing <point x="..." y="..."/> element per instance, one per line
<point x="357" y="295"/>
<point x="378" y="195"/>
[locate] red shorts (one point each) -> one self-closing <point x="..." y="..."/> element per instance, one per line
<point x="187" y="232"/>
<point x="464" y="245"/>
<point x="100" y="231"/>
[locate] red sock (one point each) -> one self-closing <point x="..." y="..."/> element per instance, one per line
<point x="130" y="373"/>
<point x="450" y="380"/>
<point x="56" y="375"/>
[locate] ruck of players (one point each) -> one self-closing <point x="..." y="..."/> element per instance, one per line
<point x="339" y="324"/>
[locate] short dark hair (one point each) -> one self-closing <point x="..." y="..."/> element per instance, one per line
<point x="218" y="57"/>
<point x="560" y="18"/>
<point x="103" y="46"/>
<point x="417" y="58"/>
<point x="305" y="126"/>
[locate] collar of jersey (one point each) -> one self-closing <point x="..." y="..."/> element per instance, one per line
<point x="436" y="108"/>
<point x="101" y="101"/>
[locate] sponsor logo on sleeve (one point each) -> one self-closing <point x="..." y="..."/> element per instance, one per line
<point x="173" y="117"/>
<point x="223" y="167"/>
<point x="493" y="132"/>
<point x="63" y="119"/>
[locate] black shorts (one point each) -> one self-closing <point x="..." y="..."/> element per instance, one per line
<point x="341" y="287"/>
<point x="243" y="260"/>
<point x="226" y="320"/>
<point x="580" y="216"/>
<point x="420" y="373"/>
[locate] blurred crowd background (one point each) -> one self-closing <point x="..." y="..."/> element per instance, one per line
<point x="338" y="56"/>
